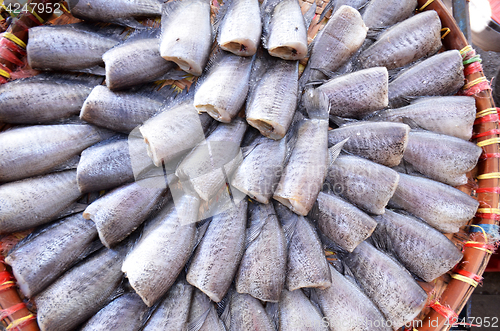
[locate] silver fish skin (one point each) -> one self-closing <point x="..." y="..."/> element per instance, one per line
<point x="121" y="211"/>
<point x="340" y="38"/>
<point x="441" y="74"/>
<point x="420" y="248"/>
<point x="406" y="42"/>
<point x="173" y="312"/>
<point x="383" y="13"/>
<point x="135" y="62"/>
<point x="160" y="255"/>
<point x="303" y="176"/>
<point x="33" y="101"/>
<point x="262" y="271"/>
<point x="37" y="150"/>
<point x="366" y="184"/>
<point x="125" y="313"/>
<point x="222" y="90"/>
<point x="104" y="166"/>
<point x="342" y="222"/>
<point x="103" y="107"/>
<point x="208" y="164"/>
<point x="452" y="115"/>
<point x="121" y="12"/>
<point x="42" y="259"/>
<point x="356" y="4"/>
<point x="241" y="27"/>
<point x="35" y="201"/>
<point x="447" y="162"/>
<point x="271" y="104"/>
<point x="297" y="313"/>
<point x="383" y="143"/>
<point x="347" y="308"/>
<point x="186" y="34"/>
<point x="260" y="171"/>
<point x="219" y="253"/>
<point x="390" y="286"/>
<point x="66" y="47"/>
<point x="285" y="31"/>
<point x="80" y="292"/>
<point x="441" y="206"/>
<point x="248" y="314"/>
<point x="359" y="93"/>
<point x="203" y="315"/>
<point x="172" y="132"/>
<point x="306" y="265"/>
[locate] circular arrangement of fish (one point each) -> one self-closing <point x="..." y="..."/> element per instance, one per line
<point x="222" y="200"/>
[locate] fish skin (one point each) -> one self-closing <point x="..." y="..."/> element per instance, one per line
<point x="216" y="259"/>
<point x="356" y="4"/>
<point x="260" y="171"/>
<point x="103" y="107"/>
<point x="224" y="88"/>
<point x="303" y="176"/>
<point x="203" y="315"/>
<point x="357" y="94"/>
<point x="34" y="201"/>
<point x="423" y="250"/>
<point x="41" y="260"/>
<point x="37" y="150"/>
<point x="211" y="161"/>
<point x="105" y="166"/>
<point x="248" y="314"/>
<point x="383" y="143"/>
<point x="383" y="13"/>
<point x="417" y="37"/>
<point x="306" y="265"/>
<point x="390" y="286"/>
<point x="120" y="12"/>
<point x="240" y="30"/>
<point x="441" y="74"/>
<point x="451" y="115"/>
<point x="66" y="47"/>
<point x="134" y="63"/>
<point x="297" y="313"/>
<point x="163" y="250"/>
<point x="339" y="39"/>
<point x="186" y="34"/>
<point x="262" y="271"/>
<point x="80" y="292"/>
<point x="125" y="313"/>
<point x="271" y="104"/>
<point x="441" y="206"/>
<point x="285" y="31"/>
<point x="121" y="211"/>
<point x="172" y="313"/>
<point x="342" y="222"/>
<point x="447" y="162"/>
<point x="31" y="101"/>
<point x="172" y="132"/>
<point x="366" y="184"/>
<point x="347" y="308"/>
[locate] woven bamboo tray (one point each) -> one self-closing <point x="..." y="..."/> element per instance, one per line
<point x="450" y="292"/>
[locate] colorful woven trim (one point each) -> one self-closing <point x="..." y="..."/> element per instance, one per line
<point x="425" y="5"/>
<point x="20" y="322"/>
<point x="444" y="311"/>
<point x="487" y="133"/>
<point x="14" y="39"/>
<point x="11" y="310"/>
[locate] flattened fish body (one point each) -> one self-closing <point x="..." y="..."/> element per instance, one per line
<point x="383" y="13"/>
<point x="248" y="314"/>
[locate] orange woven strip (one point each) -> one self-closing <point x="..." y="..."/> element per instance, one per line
<point x="470" y="275"/>
<point x="473" y="68"/>
<point x="11" y="310"/>
<point x="477" y="88"/>
<point x="486" y="119"/>
<point x="490" y="156"/>
<point x="481" y="246"/>
<point x="487" y="133"/>
<point x="5" y="276"/>
<point x="444" y="311"/>
<point x="6" y="285"/>
<point x="489" y="216"/>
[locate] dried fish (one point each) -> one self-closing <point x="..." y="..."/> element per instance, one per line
<point x="443" y="207"/>
<point x="342" y="222"/>
<point x="41" y="258"/>
<point x="297" y="313"/>
<point x="421" y="249"/>
<point x="37" y="150"/>
<point x="383" y="13"/>
<point x="382" y="142"/>
<point x="186" y="34"/>
<point x="34" y="201"/>
<point x="248" y="314"/>
<point x="218" y="255"/>
<point x="202" y="314"/>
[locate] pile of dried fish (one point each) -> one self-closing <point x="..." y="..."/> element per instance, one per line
<point x="230" y="193"/>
